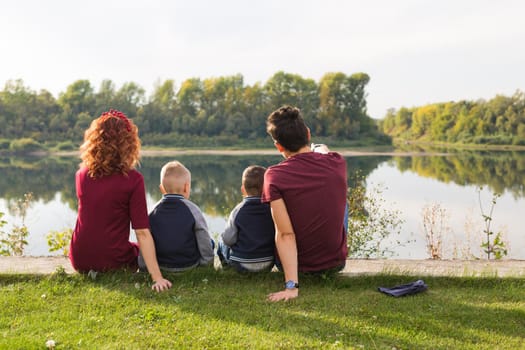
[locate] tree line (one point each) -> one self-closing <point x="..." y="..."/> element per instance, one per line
<point x="221" y="108"/>
<point x="500" y="120"/>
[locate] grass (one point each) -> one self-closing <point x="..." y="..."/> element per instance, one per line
<point x="209" y="309"/>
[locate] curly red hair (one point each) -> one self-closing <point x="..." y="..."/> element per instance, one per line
<point x="111" y="145"/>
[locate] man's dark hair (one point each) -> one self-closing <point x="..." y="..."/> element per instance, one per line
<point x="287" y="127"/>
<point x="253" y="179"/>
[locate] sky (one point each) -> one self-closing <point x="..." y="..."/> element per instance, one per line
<point x="415" y="51"/>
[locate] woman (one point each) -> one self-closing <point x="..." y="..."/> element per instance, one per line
<point x="111" y="194"/>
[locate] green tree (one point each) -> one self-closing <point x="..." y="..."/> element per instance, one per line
<point x="78" y="99"/>
<point x="24" y="113"/>
<point x="130" y="97"/>
<point x="18" y="102"/>
<point x="255" y="109"/>
<point x="189" y="107"/>
<point x="292" y="89"/>
<point x="104" y="98"/>
<point x="221" y="99"/>
<point x="157" y="115"/>
<point x="342" y="109"/>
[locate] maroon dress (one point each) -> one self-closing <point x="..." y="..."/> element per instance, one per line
<point x="106" y="207"/>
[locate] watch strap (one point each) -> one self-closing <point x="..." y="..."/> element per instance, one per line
<point x="291" y="284"/>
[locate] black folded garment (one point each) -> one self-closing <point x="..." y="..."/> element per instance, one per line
<point x="405" y="289"/>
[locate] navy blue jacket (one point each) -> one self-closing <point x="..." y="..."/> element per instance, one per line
<point x="180" y="233"/>
<point x="250" y="232"/>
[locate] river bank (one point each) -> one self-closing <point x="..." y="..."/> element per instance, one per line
<point x="248" y="152"/>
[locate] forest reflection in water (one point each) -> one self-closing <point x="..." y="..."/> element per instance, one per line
<point x="409" y="183"/>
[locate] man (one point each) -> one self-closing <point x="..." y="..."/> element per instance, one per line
<point x="307" y="196"/>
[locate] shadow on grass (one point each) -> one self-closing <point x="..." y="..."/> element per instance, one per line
<point x="336" y="310"/>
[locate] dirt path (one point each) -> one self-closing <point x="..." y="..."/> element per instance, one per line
<point x="502" y="268"/>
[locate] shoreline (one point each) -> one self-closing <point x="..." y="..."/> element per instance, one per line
<point x="391" y="151"/>
<point x="398" y="148"/>
<point x="228" y="152"/>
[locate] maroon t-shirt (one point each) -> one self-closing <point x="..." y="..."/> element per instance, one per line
<point x="106" y="206"/>
<point x="313" y="187"/>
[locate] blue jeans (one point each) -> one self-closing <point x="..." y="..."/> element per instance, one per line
<point x="332" y="270"/>
<point x="224" y="254"/>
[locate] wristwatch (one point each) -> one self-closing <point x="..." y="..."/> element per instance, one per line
<point x="291" y="284"/>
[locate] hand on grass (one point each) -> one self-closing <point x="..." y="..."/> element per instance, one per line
<point x="161" y="284"/>
<point x="285" y="295"/>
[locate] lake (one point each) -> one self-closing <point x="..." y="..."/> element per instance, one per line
<point x="405" y="184"/>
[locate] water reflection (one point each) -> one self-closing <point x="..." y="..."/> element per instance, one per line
<point x="500" y="171"/>
<point x="43" y="176"/>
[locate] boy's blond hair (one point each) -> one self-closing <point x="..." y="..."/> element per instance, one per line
<point x="173" y="176"/>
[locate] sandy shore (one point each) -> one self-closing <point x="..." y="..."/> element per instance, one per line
<point x="480" y="268"/>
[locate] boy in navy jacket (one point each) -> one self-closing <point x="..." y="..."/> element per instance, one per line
<point x="178" y="227"/>
<point x="248" y="242"/>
